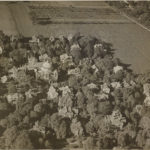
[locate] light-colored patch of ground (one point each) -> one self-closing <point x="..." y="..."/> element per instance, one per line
<point x="7" y="23"/>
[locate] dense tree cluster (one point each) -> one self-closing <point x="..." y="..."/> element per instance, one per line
<point x="60" y="91"/>
<point x="138" y="9"/>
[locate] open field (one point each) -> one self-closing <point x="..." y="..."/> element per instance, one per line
<point x="130" y="41"/>
<point x="7" y="23"/>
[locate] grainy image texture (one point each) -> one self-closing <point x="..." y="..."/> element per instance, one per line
<point x="75" y="75"/>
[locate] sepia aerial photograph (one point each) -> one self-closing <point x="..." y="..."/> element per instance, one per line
<point x="75" y="75"/>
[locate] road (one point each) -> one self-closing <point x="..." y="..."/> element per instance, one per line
<point x="130" y="41"/>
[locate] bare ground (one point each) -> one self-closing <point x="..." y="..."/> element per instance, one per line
<point x="7" y="23"/>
